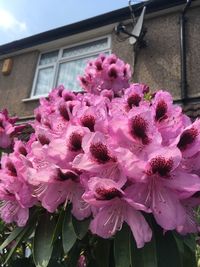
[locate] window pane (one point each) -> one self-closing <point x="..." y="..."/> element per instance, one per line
<point x="69" y="72"/>
<point x="48" y="58"/>
<point x="94" y="46"/>
<point x="44" y="81"/>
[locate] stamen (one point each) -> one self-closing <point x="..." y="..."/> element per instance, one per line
<point x="40" y="190"/>
<point x="110" y="217"/>
<point x="84" y="205"/>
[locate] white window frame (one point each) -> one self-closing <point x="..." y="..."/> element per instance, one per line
<point x="61" y="60"/>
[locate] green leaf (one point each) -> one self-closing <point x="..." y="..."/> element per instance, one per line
<point x="54" y="263"/>
<point x="190" y="242"/>
<point x="187" y="247"/>
<point x="13" y="235"/>
<point x="168" y="253"/>
<point x="20" y="234"/>
<point x="80" y="227"/>
<point x="102" y="252"/>
<point x="121" y="247"/>
<point x="16" y="243"/>
<point x="68" y="233"/>
<point x="58" y="228"/>
<point x="189" y="257"/>
<point x="143" y="257"/>
<point x="42" y="247"/>
<point x="74" y="255"/>
<point x="92" y="263"/>
<point x="179" y="242"/>
<point x="24" y="262"/>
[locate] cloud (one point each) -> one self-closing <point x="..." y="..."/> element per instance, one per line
<point x="9" y="23"/>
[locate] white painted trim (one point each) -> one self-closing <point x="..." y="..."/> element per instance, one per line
<point x="33" y="98"/>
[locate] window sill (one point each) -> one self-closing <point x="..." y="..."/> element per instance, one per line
<point x="34" y="98"/>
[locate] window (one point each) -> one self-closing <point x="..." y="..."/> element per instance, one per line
<point x="64" y="65"/>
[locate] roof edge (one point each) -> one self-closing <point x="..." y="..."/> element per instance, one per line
<point x="86" y="25"/>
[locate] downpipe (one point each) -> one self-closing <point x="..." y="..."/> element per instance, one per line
<point x="183" y="55"/>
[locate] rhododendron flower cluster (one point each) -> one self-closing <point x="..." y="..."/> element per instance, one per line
<point x="115" y="152"/>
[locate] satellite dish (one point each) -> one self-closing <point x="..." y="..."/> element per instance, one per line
<point x="137" y="30"/>
<point x="136" y="36"/>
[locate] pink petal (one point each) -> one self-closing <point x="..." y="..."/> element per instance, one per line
<point x="139" y="227"/>
<point x="185" y="183"/>
<point x="80" y="209"/>
<point x="108" y="220"/>
<point x="167" y="209"/>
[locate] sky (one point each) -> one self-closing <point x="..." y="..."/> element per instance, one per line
<point x="23" y="18"/>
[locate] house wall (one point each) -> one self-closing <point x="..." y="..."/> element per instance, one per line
<point x="157" y="65"/>
<point x="17" y="85"/>
<point x="193" y="59"/>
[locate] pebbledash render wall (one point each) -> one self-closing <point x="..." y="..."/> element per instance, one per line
<point x="158" y="65"/>
<point x="17" y="85"/>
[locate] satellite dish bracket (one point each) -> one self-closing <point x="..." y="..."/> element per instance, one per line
<point x="122" y="28"/>
<point x="138" y="32"/>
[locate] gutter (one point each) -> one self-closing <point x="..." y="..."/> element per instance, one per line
<point x="183" y="55"/>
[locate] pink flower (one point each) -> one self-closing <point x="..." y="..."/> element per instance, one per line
<point x="95" y="117"/>
<point x="82" y="261"/>
<point x="7" y="129"/>
<point x="11" y="211"/>
<point x="163" y="184"/>
<point x="98" y="158"/>
<point x="134" y="95"/>
<point x="113" y="210"/>
<point x="189" y="140"/>
<point x="168" y="117"/>
<point x="114" y="152"/>
<point x="15" y="192"/>
<point x="63" y="150"/>
<point x="191" y="224"/>
<point x="53" y="185"/>
<point x="135" y="131"/>
<point x="106" y="73"/>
